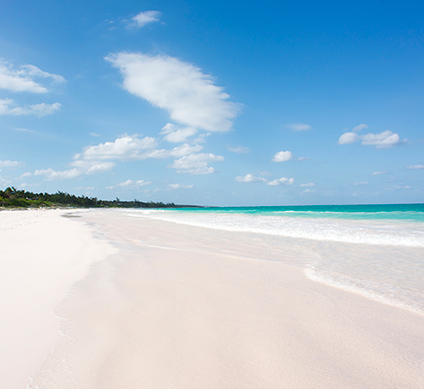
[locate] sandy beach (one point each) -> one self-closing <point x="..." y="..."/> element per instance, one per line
<point x="101" y="300"/>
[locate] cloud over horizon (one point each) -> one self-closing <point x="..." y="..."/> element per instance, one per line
<point x="101" y="157"/>
<point x="249" y="178"/>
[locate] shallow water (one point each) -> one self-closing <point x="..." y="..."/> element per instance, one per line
<point x="376" y="251"/>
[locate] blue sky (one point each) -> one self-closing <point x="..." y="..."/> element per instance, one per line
<point x="218" y="103"/>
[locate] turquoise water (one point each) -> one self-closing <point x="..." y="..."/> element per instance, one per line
<point x="407" y="212"/>
<point x="374" y="250"/>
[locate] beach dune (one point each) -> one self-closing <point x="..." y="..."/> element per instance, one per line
<point x="177" y="306"/>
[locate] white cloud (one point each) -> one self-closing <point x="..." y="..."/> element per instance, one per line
<point x="190" y="96"/>
<point x="10" y="163"/>
<point x="91" y="167"/>
<point x="250" y="178"/>
<point x="130" y="183"/>
<point x="382" y="140"/>
<point x="282" y="180"/>
<point x="418" y="166"/>
<point x="22" y="79"/>
<point x="239" y="149"/>
<point x="378" y="173"/>
<point x="359" y="127"/>
<point x="143" y="18"/>
<point x="127" y="147"/>
<point x="180" y="186"/>
<point x="196" y="163"/>
<point x="298" y="126"/>
<point x="282" y="156"/>
<point x="303" y="158"/>
<point x="177" y="134"/>
<point x="51" y="174"/>
<point x="185" y="149"/>
<point x="79" y="168"/>
<point x="85" y="188"/>
<point x="9" y="107"/>
<point x="348" y="137"/>
<point x="99" y="158"/>
<point x="308" y="184"/>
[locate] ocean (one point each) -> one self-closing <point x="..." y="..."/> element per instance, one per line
<point x="373" y="250"/>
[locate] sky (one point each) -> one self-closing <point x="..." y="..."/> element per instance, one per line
<point x="214" y="102"/>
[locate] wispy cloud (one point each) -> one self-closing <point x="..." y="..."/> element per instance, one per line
<point x="10" y="107"/>
<point x="282" y="156"/>
<point x="298" y="126"/>
<point x="190" y="96"/>
<point x="359" y="127"/>
<point x="378" y="173"/>
<point x="250" y="178"/>
<point x="239" y="149"/>
<point x="398" y="187"/>
<point x="143" y="18"/>
<point x="309" y="184"/>
<point x="23" y="78"/>
<point x="10" y="163"/>
<point x="20" y="129"/>
<point x="180" y="186"/>
<point x="361" y="183"/>
<point x="418" y="166"/>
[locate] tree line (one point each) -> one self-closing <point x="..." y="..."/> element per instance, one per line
<point x="14" y="198"/>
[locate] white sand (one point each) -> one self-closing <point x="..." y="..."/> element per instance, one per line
<point x="187" y="307"/>
<point x="42" y="254"/>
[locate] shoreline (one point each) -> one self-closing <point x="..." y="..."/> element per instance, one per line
<point x="188" y="307"/>
<point x="42" y="255"/>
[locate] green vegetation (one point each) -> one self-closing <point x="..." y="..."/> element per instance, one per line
<point x="14" y="198"/>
